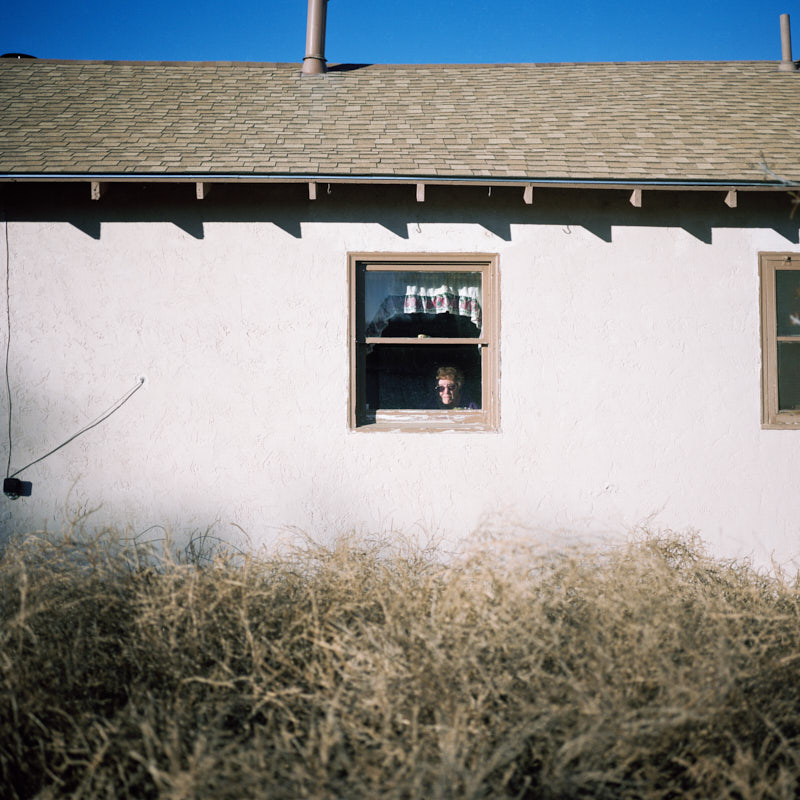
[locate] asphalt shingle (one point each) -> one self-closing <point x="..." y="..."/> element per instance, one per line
<point x="673" y="121"/>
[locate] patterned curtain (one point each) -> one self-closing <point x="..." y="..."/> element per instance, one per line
<point x="429" y="293"/>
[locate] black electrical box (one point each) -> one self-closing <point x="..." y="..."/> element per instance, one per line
<point x="14" y="488"/>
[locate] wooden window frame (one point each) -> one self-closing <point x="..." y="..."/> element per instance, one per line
<point x="772" y="418"/>
<point x="487" y="417"/>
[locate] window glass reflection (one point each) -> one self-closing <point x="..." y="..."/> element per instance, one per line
<point x="787" y="301"/>
<point x="420" y="297"/>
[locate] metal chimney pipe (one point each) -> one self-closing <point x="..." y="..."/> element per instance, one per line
<point x="787" y="64"/>
<point x="314" y="61"/>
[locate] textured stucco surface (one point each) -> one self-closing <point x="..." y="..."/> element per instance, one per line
<point x="630" y="367"/>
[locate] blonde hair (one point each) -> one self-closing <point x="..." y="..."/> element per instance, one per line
<point x="450" y="373"/>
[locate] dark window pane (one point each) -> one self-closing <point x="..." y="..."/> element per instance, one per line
<point x="788" y="376"/>
<point x="787" y="301"/>
<point x="401" y="376"/>
<point x="450" y="326"/>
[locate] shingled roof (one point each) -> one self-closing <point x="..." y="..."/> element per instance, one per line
<point x="677" y="123"/>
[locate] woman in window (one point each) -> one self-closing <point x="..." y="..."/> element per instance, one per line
<point x="449" y="383"/>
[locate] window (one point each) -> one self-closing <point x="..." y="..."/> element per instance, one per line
<point x="780" y="339"/>
<point x="424" y="342"/>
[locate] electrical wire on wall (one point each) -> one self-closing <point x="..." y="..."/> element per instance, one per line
<point x="12" y="487"/>
<point x="104" y="416"/>
<point x="8" y="331"/>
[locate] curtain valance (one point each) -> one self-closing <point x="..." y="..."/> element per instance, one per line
<point x="390" y="294"/>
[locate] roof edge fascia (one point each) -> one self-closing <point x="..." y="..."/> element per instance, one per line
<point x="553" y="183"/>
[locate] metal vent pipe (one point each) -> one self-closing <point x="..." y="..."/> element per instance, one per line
<point x="786" y="65"/>
<point x="314" y="61"/>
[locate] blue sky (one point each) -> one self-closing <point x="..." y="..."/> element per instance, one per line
<point x="413" y="31"/>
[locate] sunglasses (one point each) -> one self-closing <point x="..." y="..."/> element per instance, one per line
<point x="451" y="387"/>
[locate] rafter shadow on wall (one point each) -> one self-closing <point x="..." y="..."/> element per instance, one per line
<point x="396" y="208"/>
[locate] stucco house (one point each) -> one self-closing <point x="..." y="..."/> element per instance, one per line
<point x="249" y="276"/>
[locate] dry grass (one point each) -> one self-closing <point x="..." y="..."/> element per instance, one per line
<point x="362" y="671"/>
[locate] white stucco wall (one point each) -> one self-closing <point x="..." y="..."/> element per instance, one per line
<point x="630" y="369"/>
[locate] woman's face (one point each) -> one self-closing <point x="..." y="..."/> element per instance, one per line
<point x="448" y="391"/>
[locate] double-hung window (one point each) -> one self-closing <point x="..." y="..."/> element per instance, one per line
<point x="780" y="339"/>
<point x="424" y="341"/>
